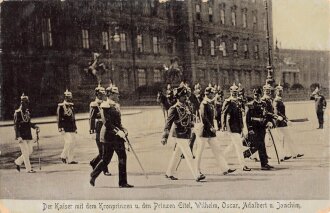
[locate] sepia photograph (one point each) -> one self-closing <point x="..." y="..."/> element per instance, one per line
<point x="164" y="106"/>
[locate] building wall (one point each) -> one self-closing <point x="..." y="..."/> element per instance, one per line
<point x="45" y="52"/>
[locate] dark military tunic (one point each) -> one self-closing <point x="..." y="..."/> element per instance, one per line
<point x="256" y="120"/>
<point x="207" y="113"/>
<point x="232" y="116"/>
<point x="66" y="117"/>
<point x="111" y="142"/>
<point x="22" y="124"/>
<point x="179" y="114"/>
<point x="279" y="109"/>
<point x="218" y="109"/>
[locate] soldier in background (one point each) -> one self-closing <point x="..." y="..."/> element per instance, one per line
<point x="23" y="125"/>
<point x="232" y="120"/>
<point x="112" y="137"/>
<point x="95" y="125"/>
<point x="218" y="101"/>
<point x="320" y="106"/>
<point x="66" y="123"/>
<point x="257" y="120"/>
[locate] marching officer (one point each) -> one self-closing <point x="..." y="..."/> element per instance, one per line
<point x="320" y="106"/>
<point x="95" y="125"/>
<point x="23" y="125"/>
<point x="182" y="117"/>
<point x="112" y="137"/>
<point x="282" y="125"/>
<point x="232" y="117"/>
<point x="209" y="133"/>
<point x="257" y="120"/>
<point x="170" y="95"/>
<point x="66" y="123"/>
<point x="218" y="107"/>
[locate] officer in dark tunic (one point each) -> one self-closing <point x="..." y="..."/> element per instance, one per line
<point x="257" y="120"/>
<point x="95" y="125"/>
<point x="181" y="116"/>
<point x="112" y="137"/>
<point x="320" y="106"/>
<point x="232" y="121"/>
<point x="66" y="123"/>
<point x="23" y="125"/>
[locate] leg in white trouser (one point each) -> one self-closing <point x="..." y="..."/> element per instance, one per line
<point x="26" y="149"/>
<point x="182" y="147"/>
<point x="222" y="163"/>
<point x="289" y="144"/>
<point x="237" y="141"/>
<point x="278" y="139"/>
<point x="200" y="148"/>
<point x="72" y="144"/>
<point x="66" y="137"/>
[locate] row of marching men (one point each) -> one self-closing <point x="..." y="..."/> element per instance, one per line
<point x="105" y="122"/>
<point x="258" y="116"/>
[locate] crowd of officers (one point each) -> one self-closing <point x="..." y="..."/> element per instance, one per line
<point x="190" y="121"/>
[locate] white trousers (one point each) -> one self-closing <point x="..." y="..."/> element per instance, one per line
<point x="26" y="149"/>
<point x="278" y="140"/>
<point x="236" y="143"/>
<point x="214" y="144"/>
<point x="182" y="147"/>
<point x="69" y="146"/>
<point x="286" y="143"/>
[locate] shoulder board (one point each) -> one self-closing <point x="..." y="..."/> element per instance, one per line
<point x="93" y="104"/>
<point x="18" y="110"/>
<point x="105" y="105"/>
<point x="60" y="104"/>
<point x="250" y="104"/>
<point x="204" y="102"/>
<point x="70" y="104"/>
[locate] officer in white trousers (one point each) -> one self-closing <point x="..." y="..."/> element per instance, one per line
<point x="67" y="126"/>
<point x="23" y="125"/>
<point x="207" y="113"/>
<point x="232" y="121"/>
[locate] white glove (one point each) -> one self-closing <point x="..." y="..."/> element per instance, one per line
<point x="269" y="125"/>
<point x="280" y="118"/>
<point x="20" y="139"/>
<point x="121" y="134"/>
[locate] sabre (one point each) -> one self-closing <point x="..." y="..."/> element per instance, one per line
<point x="38" y="148"/>
<point x="271" y="136"/>
<point x="130" y="145"/>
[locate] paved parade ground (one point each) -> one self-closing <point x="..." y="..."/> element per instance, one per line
<point x="304" y="178"/>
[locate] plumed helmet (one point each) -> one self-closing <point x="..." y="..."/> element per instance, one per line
<point x="99" y="89"/>
<point x="233" y="88"/>
<point x="67" y="93"/>
<point x="209" y="90"/>
<point x="257" y="91"/>
<point x="279" y="87"/>
<point x="267" y="87"/>
<point x="24" y="97"/>
<point x="180" y="91"/>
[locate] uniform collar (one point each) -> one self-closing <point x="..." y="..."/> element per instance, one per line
<point x="208" y="100"/>
<point x="98" y="100"/>
<point x="67" y="103"/>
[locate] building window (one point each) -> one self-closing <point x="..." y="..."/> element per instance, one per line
<point x="235" y="49"/>
<point x="155" y="44"/>
<point x="212" y="48"/>
<point x="233" y="17"/>
<point x="198" y="12"/>
<point x="47" y="40"/>
<point x="200" y="46"/>
<point x="254" y="21"/>
<point x="139" y="43"/>
<point x="222" y="48"/>
<point x="142" y="80"/>
<point x="246" y="51"/>
<point x="244" y="18"/>
<point x="157" y="75"/>
<point x="123" y="45"/>
<point x="222" y="16"/>
<point x="170" y="45"/>
<point x="265" y="22"/>
<point x="105" y="40"/>
<point x="125" y="79"/>
<point x="256" y="51"/>
<point x="85" y="39"/>
<point x="210" y="14"/>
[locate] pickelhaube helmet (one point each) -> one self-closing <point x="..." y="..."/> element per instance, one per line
<point x="24" y="97"/>
<point x="209" y="90"/>
<point x="233" y="88"/>
<point x="99" y="89"/>
<point x="240" y="88"/>
<point x="279" y="87"/>
<point x="67" y="93"/>
<point x="180" y="91"/>
<point x="112" y="89"/>
<point x="267" y="87"/>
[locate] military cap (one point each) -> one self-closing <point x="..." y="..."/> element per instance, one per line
<point x="257" y="91"/>
<point x="267" y="87"/>
<point x="233" y="88"/>
<point x="67" y="93"/>
<point x="24" y="97"/>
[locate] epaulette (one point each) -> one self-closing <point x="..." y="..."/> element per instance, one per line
<point x="18" y="110"/>
<point x="204" y="101"/>
<point x="93" y="104"/>
<point x="60" y="104"/>
<point x="105" y="104"/>
<point x="277" y="99"/>
<point x="250" y="105"/>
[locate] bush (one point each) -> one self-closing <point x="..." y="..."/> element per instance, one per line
<point x="297" y="86"/>
<point x="150" y="89"/>
<point x="313" y="86"/>
<point x="286" y="86"/>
